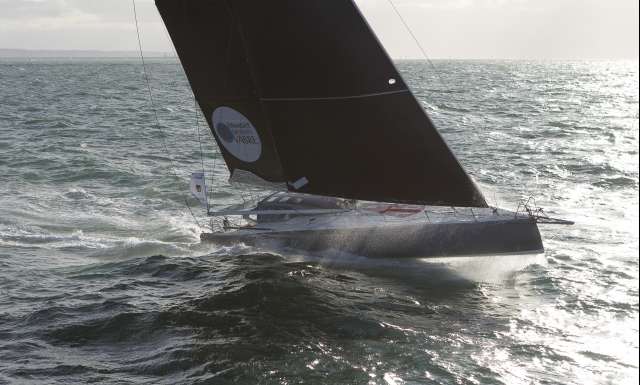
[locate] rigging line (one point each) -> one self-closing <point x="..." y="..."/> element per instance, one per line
<point x="196" y="107"/>
<point x="155" y="112"/>
<point x="415" y="39"/>
<point x="424" y="54"/>
<point x="195" y="102"/>
<point x="151" y="100"/>
<point x="210" y="192"/>
<point x="186" y="202"/>
<point x="213" y="170"/>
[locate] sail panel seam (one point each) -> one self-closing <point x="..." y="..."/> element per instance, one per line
<point x="334" y="97"/>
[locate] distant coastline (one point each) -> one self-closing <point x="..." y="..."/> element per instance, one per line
<point x="13" y="53"/>
<point x="28" y="53"/>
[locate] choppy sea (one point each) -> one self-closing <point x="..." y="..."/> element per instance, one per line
<point x="103" y="278"/>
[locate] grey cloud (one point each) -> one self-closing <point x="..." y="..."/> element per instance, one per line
<point x="107" y="10"/>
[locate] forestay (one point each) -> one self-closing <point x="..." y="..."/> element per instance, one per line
<point x="300" y="92"/>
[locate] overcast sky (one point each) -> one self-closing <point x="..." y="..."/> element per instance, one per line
<point x="530" y="29"/>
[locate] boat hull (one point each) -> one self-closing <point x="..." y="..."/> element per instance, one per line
<point x="412" y="240"/>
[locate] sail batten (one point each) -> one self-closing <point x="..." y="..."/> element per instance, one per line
<point x="302" y="90"/>
<point x="292" y="99"/>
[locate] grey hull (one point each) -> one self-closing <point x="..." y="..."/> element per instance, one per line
<point x="415" y="240"/>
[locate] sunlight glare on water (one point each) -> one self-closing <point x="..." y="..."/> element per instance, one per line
<point x="103" y="278"/>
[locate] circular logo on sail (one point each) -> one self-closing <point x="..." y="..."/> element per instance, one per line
<point x="224" y="132"/>
<point x="237" y="134"/>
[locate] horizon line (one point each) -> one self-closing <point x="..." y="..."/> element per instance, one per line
<point x="123" y="54"/>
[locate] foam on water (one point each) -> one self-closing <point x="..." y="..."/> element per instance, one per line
<point x="103" y="278"/>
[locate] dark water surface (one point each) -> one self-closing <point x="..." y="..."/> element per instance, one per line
<point x="102" y="277"/>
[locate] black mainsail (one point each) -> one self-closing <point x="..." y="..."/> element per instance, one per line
<point x="301" y="92"/>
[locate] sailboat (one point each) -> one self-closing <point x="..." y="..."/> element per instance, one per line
<point x="303" y="100"/>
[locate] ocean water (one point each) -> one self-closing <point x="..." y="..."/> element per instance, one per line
<point x="103" y="279"/>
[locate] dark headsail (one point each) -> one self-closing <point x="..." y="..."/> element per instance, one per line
<point x="301" y="92"/>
